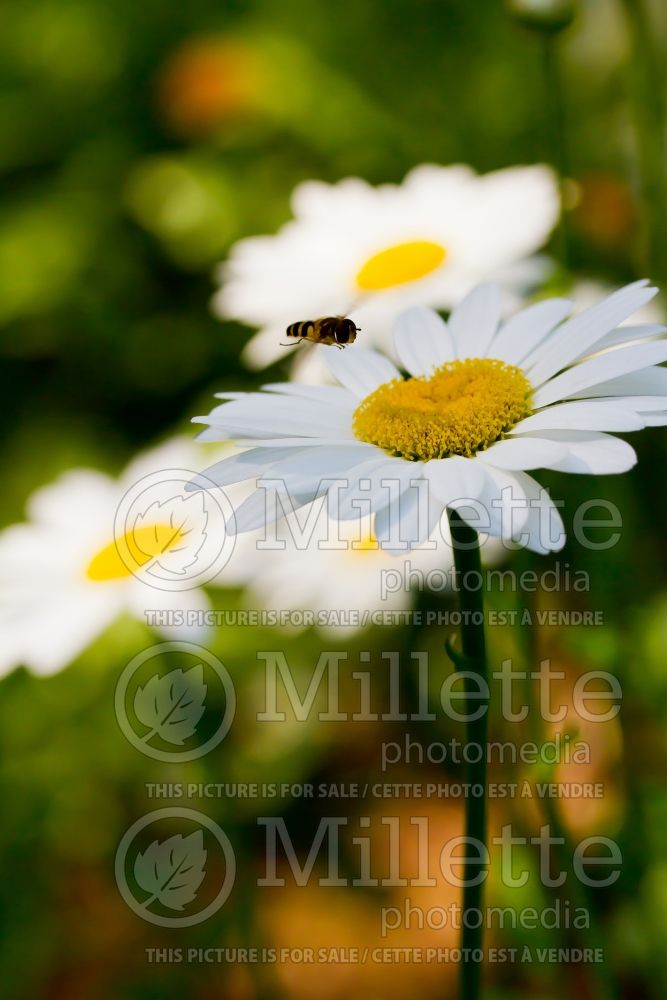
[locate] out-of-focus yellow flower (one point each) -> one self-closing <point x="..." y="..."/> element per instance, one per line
<point x="373" y="251"/>
<point x="66" y="574"/>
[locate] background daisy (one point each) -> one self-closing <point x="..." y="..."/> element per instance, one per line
<point x="63" y="579"/>
<point x="341" y="571"/>
<point x="372" y="251"/>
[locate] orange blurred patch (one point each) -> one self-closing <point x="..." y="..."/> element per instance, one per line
<point x="585" y="810"/>
<point x="313" y="916"/>
<point x="206" y="82"/>
<point x="605" y="212"/>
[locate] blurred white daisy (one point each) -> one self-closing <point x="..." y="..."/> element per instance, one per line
<point x="65" y="574"/>
<point x="373" y="251"/>
<point x="341" y="574"/>
<point x="484" y="402"/>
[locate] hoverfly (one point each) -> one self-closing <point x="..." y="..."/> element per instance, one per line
<point x="337" y="330"/>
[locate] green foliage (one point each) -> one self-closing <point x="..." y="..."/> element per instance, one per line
<point x="124" y="184"/>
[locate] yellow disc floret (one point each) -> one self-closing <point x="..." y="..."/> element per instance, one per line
<point x="126" y="555"/>
<point x="400" y="264"/>
<point x="462" y="408"/>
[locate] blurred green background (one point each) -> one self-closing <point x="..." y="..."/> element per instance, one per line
<point x="138" y="141"/>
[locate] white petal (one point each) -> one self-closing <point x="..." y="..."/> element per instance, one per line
<point x="588" y="452"/>
<point x="515" y="209"/>
<point x="282" y="430"/>
<point x="73" y="495"/>
<point x="578" y="335"/>
<point x="407" y="522"/>
<point x="174" y="453"/>
<point x="360" y="370"/>
<point x="474" y="322"/>
<point x="544" y="530"/>
<point x="374" y="485"/>
<point x="502" y="507"/>
<point x="308" y="468"/>
<point x="602" y="368"/>
<point x="323" y="202"/>
<point x="422" y="340"/>
<point x="264" y="348"/>
<point x="650" y="381"/>
<point x="523" y="332"/>
<point x="263" y="414"/>
<point x="453" y="479"/>
<point x="654" y="419"/>
<point x="60" y="628"/>
<point x="523" y="453"/>
<point x="636" y="403"/>
<point x="620" y="335"/>
<point x="264" y="507"/>
<point x="297" y="442"/>
<point x="583" y="416"/>
<point x="187" y="624"/>
<point x="239" y="468"/>
<point x="209" y="434"/>
<point x="330" y="395"/>
<point x="515" y="508"/>
<point x="627" y="335"/>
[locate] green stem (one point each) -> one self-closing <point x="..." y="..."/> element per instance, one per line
<point x="467" y="561"/>
<point x="647" y="85"/>
<point x="556" y="150"/>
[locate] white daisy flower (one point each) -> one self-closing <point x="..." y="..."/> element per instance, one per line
<point x="65" y="574"/>
<point x="373" y="251"/>
<point x="484" y="402"/>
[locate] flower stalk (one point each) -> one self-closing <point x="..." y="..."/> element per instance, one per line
<point x="557" y="143"/>
<point x="547" y="20"/>
<point x="473" y="665"/>
<point x="645" y="72"/>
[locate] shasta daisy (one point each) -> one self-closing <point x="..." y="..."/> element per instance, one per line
<point x="483" y="403"/>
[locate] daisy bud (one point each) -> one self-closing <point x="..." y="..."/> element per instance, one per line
<point x="544" y="15"/>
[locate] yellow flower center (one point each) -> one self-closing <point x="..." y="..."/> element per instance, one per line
<point x="367" y="543"/>
<point x="462" y="408"/>
<point x="400" y="264"/>
<point x="123" y="557"/>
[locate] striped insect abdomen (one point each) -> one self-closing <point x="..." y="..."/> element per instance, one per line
<point x="302" y="329"/>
